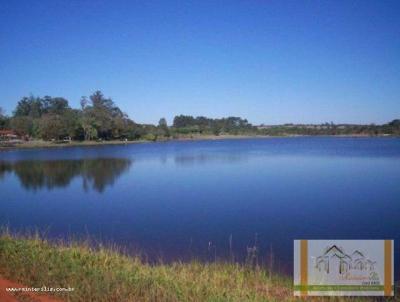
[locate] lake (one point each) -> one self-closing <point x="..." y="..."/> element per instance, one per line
<point x="208" y="199"/>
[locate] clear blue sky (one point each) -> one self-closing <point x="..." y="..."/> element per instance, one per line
<point x="269" y="61"/>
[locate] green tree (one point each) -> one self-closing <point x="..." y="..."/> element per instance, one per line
<point x="101" y="114"/>
<point x="182" y="121"/>
<point x="29" y="106"/>
<point x="58" y="126"/>
<point x="56" y="105"/>
<point x="163" y="127"/>
<point x="53" y="126"/>
<point x="88" y="126"/>
<point x="107" y="119"/>
<point x="4" y="120"/>
<point x="23" y="125"/>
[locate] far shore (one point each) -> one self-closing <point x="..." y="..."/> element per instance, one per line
<point x="52" y="144"/>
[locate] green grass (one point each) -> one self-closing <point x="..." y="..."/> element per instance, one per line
<point x="106" y="275"/>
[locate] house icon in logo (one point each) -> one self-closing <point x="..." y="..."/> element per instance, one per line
<point x="335" y="261"/>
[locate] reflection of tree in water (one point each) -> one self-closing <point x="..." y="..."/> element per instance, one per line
<point x="4" y="168"/>
<point x="96" y="173"/>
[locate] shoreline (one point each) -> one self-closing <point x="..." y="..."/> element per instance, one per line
<point x="34" y="144"/>
<point x="114" y="276"/>
<point x="111" y="275"/>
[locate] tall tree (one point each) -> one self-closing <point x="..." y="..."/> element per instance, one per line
<point x="102" y="115"/>
<point x="56" y="105"/>
<point x="163" y="127"/>
<point x="29" y="106"/>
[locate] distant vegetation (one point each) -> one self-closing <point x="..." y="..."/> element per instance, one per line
<point x="52" y="118"/>
<point x="391" y="128"/>
<point x="186" y="124"/>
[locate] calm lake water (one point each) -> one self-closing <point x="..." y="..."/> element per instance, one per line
<point x="178" y="200"/>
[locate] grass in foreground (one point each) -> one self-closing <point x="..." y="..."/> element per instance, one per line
<point x="106" y="275"/>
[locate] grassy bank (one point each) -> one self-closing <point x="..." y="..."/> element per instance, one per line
<point x="51" y="144"/>
<point x="106" y="275"/>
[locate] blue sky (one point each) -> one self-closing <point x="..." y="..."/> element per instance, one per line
<point x="269" y="61"/>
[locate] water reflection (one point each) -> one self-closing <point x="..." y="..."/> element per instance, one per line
<point x="203" y="158"/>
<point x="96" y="173"/>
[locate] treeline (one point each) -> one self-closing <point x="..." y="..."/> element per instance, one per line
<point x="52" y="118"/>
<point x="391" y="128"/>
<point x="98" y="118"/>
<point x="186" y="124"/>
